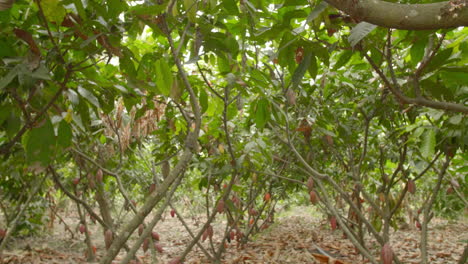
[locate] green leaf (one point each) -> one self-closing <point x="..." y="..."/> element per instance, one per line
<point x="39" y="144"/>
<point x="359" y="32"/>
<point x="65" y="135"/>
<point x="417" y="50"/>
<point x="115" y="7"/>
<point x="428" y="144"/>
<point x="231" y="7"/>
<point x="89" y="96"/>
<point x="163" y="77"/>
<point x="313" y="67"/>
<point x="318" y="9"/>
<point x="439" y="59"/>
<point x="203" y="100"/>
<point x="295" y="2"/>
<point x="148" y="9"/>
<point x="6" y="49"/>
<point x="301" y="69"/>
<point x="261" y="114"/>
<point x="5" y="81"/>
<point x="191" y="9"/>
<point x="53" y="10"/>
<point x="344" y="58"/>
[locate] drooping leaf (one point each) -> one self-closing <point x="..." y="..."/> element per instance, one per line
<point x="88" y="95"/>
<point x="318" y="9"/>
<point x="301" y="69"/>
<point x="359" y="32"/>
<point x="64" y="134"/>
<point x="261" y="113"/>
<point x="53" y="10"/>
<point x="39" y="144"/>
<point x="428" y="144"/>
<point x="164" y="77"/>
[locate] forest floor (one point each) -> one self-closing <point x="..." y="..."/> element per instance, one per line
<point x="293" y="238"/>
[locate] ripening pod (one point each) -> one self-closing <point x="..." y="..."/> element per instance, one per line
<point x="155" y="236"/>
<point x="411" y="187"/>
<point x="210" y="231"/>
<point x="108" y="237"/>
<point x="152" y="188"/>
<point x="2" y="233"/>
<point x="173" y="212"/>
<point x="165" y="169"/>
<point x="99" y="176"/>
<point x="252" y="221"/>
<point x="82" y="229"/>
<point x="145" y="245"/>
<point x="417" y="224"/>
<point x="313" y="197"/>
<point x="267" y="197"/>
<point x="158" y="247"/>
<point x="253" y="212"/>
<point x="333" y="223"/>
<point x="386" y="254"/>
<point x="76" y="180"/>
<point x="449" y="190"/>
<point x="310" y="183"/>
<point x="291" y="96"/>
<point x="220" y="207"/>
<point x="141" y="227"/>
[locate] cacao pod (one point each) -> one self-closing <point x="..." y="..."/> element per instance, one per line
<point x="82" y="229"/>
<point x="155" y="236"/>
<point x="141" y="227"/>
<point x="2" y="233"/>
<point x="267" y="197"/>
<point x="387" y="254"/>
<point x="333" y="223"/>
<point x="210" y="231"/>
<point x="76" y="181"/>
<point x="108" y="238"/>
<point x="173" y="212"/>
<point x="158" y="247"/>
<point x="145" y="245"/>
<point x="99" y="176"/>
<point x="220" y="207"/>
<point x="313" y="197"/>
<point x="411" y="187"/>
<point x="310" y="183"/>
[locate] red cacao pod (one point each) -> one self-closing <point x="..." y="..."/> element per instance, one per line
<point x="313" y="197"/>
<point x="141" y="227"/>
<point x="220" y="207"/>
<point x="387" y="254"/>
<point x="108" y="238"/>
<point x="333" y="223"/>
<point x="155" y="236"/>
<point x="411" y="187"/>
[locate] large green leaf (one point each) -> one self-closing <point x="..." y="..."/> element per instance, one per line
<point x="262" y="113"/>
<point x="39" y="144"/>
<point x="64" y="134"/>
<point x="164" y="77"/>
<point x="301" y="69"/>
<point x="359" y="32"/>
<point x="428" y="143"/>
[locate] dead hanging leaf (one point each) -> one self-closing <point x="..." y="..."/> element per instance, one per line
<point x="27" y="37"/>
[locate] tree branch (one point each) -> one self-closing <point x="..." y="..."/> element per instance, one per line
<point x="448" y="14"/>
